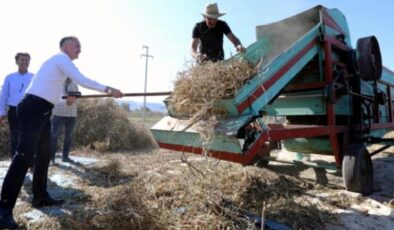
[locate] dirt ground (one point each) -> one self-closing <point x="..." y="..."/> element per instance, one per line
<point x="80" y="186"/>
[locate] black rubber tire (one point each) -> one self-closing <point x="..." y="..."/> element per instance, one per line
<point x="357" y="169"/>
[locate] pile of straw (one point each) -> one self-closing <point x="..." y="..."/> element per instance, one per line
<point x="198" y="88"/>
<point x="101" y="125"/>
<point x="104" y="126"/>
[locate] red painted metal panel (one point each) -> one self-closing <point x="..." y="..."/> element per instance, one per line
<point x="331" y="120"/>
<point x="335" y="43"/>
<point x="244" y="159"/>
<point x="281" y="132"/>
<point x="382" y="125"/>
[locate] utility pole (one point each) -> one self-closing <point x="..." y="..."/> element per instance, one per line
<point x="147" y="56"/>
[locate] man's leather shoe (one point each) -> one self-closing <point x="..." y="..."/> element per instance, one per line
<point x="6" y="219"/>
<point x="67" y="159"/>
<point x="46" y="201"/>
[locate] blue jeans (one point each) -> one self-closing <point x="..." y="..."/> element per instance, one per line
<point x="33" y="148"/>
<point x="57" y="123"/>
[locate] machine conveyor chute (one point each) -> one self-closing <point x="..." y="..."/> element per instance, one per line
<point x="178" y="134"/>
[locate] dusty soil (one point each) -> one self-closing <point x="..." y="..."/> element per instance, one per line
<point x="315" y="198"/>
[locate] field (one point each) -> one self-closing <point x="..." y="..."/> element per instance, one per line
<point x="159" y="189"/>
<point x="151" y="188"/>
<point x="151" y="118"/>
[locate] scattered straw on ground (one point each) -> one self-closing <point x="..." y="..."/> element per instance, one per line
<point x="192" y="193"/>
<point x="107" y="175"/>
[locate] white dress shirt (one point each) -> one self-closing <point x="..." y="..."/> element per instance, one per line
<point x="47" y="83"/>
<point x="14" y="87"/>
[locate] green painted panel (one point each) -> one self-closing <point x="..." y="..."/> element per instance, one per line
<point x="296" y="105"/>
<point x="227" y="106"/>
<point x="379" y="132"/>
<point x="277" y="61"/>
<point x="220" y="142"/>
<point x="340" y="20"/>
<point x="306" y="103"/>
<point x="387" y="75"/>
<point x="175" y="131"/>
<point x="308" y="145"/>
<point x="343" y="106"/>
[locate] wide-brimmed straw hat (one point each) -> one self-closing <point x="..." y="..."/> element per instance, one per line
<point x="212" y="11"/>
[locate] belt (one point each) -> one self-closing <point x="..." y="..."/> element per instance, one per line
<point x="38" y="99"/>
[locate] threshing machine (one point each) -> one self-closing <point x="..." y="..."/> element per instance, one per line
<point x="336" y="99"/>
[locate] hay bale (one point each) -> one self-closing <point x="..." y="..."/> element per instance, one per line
<point x="104" y="126"/>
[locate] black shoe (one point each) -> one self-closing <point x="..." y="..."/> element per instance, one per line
<point x="67" y="159"/>
<point x="6" y="219"/>
<point x="46" y="201"/>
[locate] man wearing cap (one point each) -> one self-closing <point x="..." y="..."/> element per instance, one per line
<point x="207" y="40"/>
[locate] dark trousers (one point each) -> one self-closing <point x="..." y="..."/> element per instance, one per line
<point x="57" y="123"/>
<point x="13" y="127"/>
<point x="34" y="115"/>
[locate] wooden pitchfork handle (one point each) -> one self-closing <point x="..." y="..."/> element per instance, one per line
<point x="124" y="95"/>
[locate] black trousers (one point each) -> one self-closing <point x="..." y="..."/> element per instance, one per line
<point x="33" y="148"/>
<point x="13" y="127"/>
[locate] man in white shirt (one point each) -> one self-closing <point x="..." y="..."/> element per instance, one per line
<point x="34" y="113"/>
<point x="14" y="87"/>
<point x="64" y="114"/>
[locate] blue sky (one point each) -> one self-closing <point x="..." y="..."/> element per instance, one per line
<point x="112" y="32"/>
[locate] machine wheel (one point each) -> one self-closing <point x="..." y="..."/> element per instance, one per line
<point x="357" y="170"/>
<point x="369" y="59"/>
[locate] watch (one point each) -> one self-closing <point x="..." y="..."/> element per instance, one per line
<point x="108" y="90"/>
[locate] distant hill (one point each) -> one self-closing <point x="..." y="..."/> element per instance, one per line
<point x="153" y="106"/>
